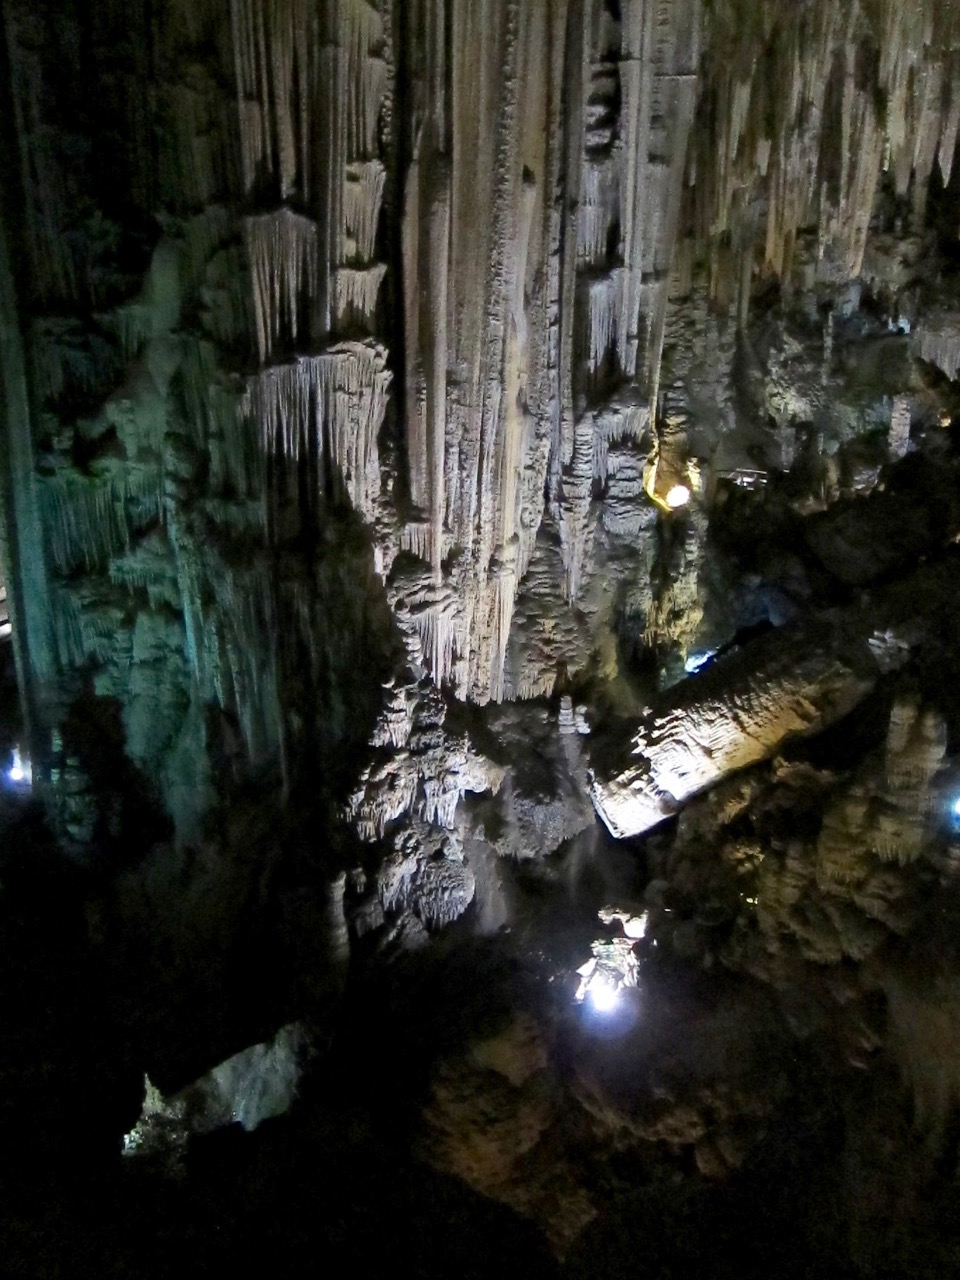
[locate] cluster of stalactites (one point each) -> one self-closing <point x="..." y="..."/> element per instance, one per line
<point x="282" y="248"/>
<point x="640" y="87"/>
<point x="333" y="405"/>
<point x="481" y="235"/>
<point x="801" y="134"/>
<point x="495" y="315"/>
<point x="301" y="67"/>
<point x="660" y="57"/>
<point x="640" y="82"/>
<point x="311" y="83"/>
<point x="88" y="519"/>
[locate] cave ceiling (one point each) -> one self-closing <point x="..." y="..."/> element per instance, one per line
<point x="479" y="495"/>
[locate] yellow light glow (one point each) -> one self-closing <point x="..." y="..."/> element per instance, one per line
<point x="678" y="496"/>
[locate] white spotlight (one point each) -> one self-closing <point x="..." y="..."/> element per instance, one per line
<point x="19" y="770"/>
<point x="603" y="995"/>
<point x="678" y="496"/>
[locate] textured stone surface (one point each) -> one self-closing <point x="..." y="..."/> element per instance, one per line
<point x="733" y="716"/>
<point x="406" y="407"/>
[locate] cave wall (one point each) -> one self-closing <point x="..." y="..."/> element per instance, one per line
<point x="338" y="336"/>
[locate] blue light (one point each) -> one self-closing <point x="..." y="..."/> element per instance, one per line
<point x="956" y="807"/>
<point x="699" y="658"/>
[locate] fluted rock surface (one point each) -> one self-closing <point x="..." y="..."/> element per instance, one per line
<point x="440" y="298"/>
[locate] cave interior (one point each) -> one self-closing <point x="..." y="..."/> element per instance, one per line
<point x="480" y="622"/>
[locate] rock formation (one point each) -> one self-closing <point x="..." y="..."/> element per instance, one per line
<point x="324" y="267"/>
<point x="437" y="436"/>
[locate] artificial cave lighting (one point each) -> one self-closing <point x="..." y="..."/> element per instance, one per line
<point x="613" y="965"/>
<point x="633" y="923"/>
<point x="678" y="496"/>
<point x="20" y="773"/>
<point x="604" y="995"/>
<point x="600" y="984"/>
<point x="697" y="660"/>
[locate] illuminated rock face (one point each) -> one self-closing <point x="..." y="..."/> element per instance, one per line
<point x="254" y="1085"/>
<point x="396" y="396"/>
<point x="448" y="290"/>
<point x="733" y="716"/>
<point x="489" y="1120"/>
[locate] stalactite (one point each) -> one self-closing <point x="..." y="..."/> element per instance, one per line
<point x="148" y="569"/>
<point x="798" y="129"/>
<point x="88" y="519"/>
<point x="283" y="253"/>
<point x="437" y="623"/>
<point x="599" y="208"/>
<point x="604" y="311"/>
<point x="356" y="291"/>
<point x="283" y="50"/>
<point x="417" y="537"/>
<point x="333" y="404"/>
<point x="937" y="340"/>
<point x="362" y="198"/>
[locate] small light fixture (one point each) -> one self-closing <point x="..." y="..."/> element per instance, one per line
<point x="955" y="808"/>
<point x="19" y="771"/>
<point x="678" y="496"/>
<point x="603" y="995"/>
<point x="600" y="986"/>
<point x="699" y="658"/>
